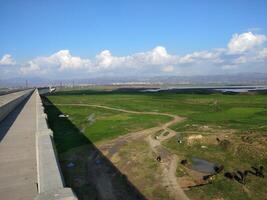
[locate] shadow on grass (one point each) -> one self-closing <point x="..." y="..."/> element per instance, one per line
<point x="86" y="170"/>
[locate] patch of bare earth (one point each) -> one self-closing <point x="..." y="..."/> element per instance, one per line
<point x="167" y="166"/>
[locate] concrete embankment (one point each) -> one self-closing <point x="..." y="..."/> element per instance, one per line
<point x="17" y="148"/>
<point x="50" y="180"/>
<point x="27" y="154"/>
<point x="10" y="101"/>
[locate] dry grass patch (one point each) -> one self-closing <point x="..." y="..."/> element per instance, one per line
<point x="136" y="160"/>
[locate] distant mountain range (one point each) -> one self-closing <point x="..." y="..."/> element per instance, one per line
<point x="234" y="79"/>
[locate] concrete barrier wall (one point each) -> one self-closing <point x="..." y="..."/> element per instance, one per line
<point x="10" y="101"/>
<point x="50" y="179"/>
<point x="44" y="90"/>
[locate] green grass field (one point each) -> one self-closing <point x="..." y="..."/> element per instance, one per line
<point x="96" y="124"/>
<point x="240" y="114"/>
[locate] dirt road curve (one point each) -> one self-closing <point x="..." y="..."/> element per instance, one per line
<point x="169" y="161"/>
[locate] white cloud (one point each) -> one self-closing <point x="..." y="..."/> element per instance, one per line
<point x="66" y="61"/>
<point x="252" y="58"/>
<point x="7" y="60"/>
<point x="244" y="51"/>
<point x="201" y="56"/>
<point x="156" y="56"/>
<point x="31" y="68"/>
<point x="168" y="68"/>
<point x="245" y="41"/>
<point x="59" y="61"/>
<point x="241" y="60"/>
<point x="262" y="55"/>
<point x="105" y="59"/>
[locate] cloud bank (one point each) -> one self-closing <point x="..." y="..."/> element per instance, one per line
<point x="245" y="52"/>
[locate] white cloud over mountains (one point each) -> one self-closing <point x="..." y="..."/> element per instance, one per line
<point x="244" y="53"/>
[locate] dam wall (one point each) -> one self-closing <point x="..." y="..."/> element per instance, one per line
<point x="50" y="180"/>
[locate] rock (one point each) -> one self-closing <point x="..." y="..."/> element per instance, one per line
<point x="70" y="165"/>
<point x="63" y="116"/>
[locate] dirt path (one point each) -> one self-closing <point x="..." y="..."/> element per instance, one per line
<point x="168" y="165"/>
<point x="169" y="161"/>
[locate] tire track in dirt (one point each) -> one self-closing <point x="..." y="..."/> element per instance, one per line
<point x="169" y="161"/>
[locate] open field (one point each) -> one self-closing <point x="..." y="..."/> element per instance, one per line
<point x="228" y="110"/>
<point x="131" y="128"/>
<point x="99" y="124"/>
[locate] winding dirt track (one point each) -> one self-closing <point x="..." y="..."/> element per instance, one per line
<point x="169" y="161"/>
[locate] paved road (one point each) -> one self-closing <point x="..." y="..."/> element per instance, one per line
<point x="18" y="154"/>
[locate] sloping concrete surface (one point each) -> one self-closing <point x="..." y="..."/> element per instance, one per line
<point x="4" y="99"/>
<point x="50" y="180"/>
<point x="18" y="174"/>
<point x="10" y="101"/>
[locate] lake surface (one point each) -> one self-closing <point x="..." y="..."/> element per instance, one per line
<point x="237" y="89"/>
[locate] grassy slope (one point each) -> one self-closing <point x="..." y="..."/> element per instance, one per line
<point x="108" y="124"/>
<point x="239" y="112"/>
<point x="234" y="111"/>
<point x="66" y="134"/>
<point x="105" y="124"/>
<point x="239" y="156"/>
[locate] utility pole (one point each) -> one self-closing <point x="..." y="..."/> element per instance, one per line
<point x="26" y="84"/>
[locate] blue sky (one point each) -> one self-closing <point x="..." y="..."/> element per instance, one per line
<point x="31" y="29"/>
